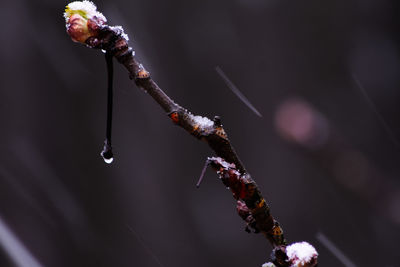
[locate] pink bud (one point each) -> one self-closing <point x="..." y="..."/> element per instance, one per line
<point x="77" y="28"/>
<point x="80" y="29"/>
<point x="83" y="20"/>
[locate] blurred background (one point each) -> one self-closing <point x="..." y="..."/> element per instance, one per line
<point x="325" y="153"/>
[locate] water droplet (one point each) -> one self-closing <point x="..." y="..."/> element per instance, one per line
<point x="104" y="51"/>
<point x="107" y="156"/>
<point x="108" y="161"/>
<point x="107" y="153"/>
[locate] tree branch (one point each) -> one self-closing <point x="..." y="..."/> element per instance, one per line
<point x="251" y="205"/>
<point x="210" y="131"/>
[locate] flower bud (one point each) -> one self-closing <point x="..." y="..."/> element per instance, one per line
<point x="83" y="20"/>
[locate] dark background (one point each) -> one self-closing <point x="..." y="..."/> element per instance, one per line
<point x="325" y="75"/>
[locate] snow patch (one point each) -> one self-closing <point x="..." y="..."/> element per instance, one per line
<point x="121" y="32"/>
<point x="301" y="253"/>
<point x="203" y="122"/>
<point x="85" y="8"/>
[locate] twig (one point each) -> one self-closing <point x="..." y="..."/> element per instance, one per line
<point x="251" y="206"/>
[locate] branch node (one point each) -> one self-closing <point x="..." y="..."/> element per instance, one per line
<point x="142" y="73"/>
<point x="279" y="257"/>
<point x="217" y="121"/>
<point x="174" y="116"/>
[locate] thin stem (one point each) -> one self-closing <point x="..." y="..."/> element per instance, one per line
<point x="203" y="171"/>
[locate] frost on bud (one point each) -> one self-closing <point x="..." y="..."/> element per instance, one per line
<point x="83" y="20"/>
<point x="301" y="254"/>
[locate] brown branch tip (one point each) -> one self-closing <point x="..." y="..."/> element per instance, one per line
<point x="88" y="26"/>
